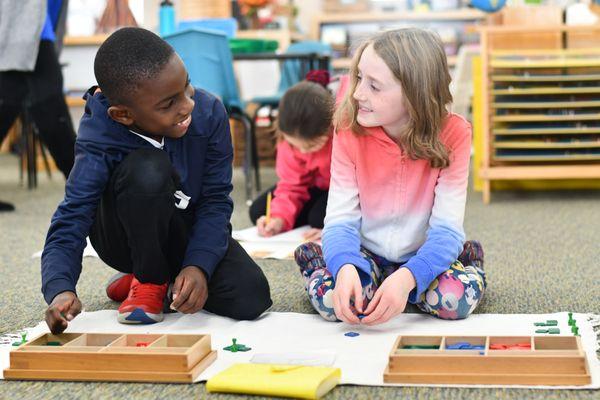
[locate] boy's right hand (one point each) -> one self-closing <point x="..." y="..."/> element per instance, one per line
<point x="64" y="307"/>
<point x="274" y="226"/>
<point x="347" y="285"/>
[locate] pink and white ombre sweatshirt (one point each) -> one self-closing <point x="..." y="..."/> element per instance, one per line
<point x="397" y="208"/>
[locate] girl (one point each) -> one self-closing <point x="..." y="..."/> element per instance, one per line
<point x="303" y="161"/>
<point x="393" y="231"/>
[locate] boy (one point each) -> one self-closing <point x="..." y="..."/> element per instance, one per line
<point x="150" y="185"/>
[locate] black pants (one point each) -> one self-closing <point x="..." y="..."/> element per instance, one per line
<point x="313" y="212"/>
<point x="42" y="91"/>
<point x="139" y="230"/>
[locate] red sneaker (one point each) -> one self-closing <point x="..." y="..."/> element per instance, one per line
<point x="144" y="305"/>
<point x="118" y="286"/>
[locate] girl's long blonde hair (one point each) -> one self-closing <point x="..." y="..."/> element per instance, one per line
<point x="417" y="60"/>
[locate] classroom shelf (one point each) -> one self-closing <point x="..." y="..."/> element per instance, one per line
<point x="344" y="30"/>
<point x="545" y="117"/>
<point x="545" y="131"/>
<point x="541" y="112"/>
<point x="546" y="104"/>
<point x="545" y="78"/>
<point x="586" y="144"/>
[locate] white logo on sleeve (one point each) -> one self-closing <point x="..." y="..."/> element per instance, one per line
<point x="184" y="200"/>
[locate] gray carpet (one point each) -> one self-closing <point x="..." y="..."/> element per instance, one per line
<point x="541" y="249"/>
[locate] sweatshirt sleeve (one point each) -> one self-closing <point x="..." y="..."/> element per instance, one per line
<point x="445" y="236"/>
<point x="209" y="238"/>
<point x="292" y="190"/>
<point x="341" y="234"/>
<point x="70" y="225"/>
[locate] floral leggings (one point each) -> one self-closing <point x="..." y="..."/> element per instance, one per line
<point x="454" y="294"/>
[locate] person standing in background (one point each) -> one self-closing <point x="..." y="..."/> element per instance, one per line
<point x="30" y="75"/>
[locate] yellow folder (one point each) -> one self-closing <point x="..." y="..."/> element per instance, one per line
<point x="304" y="382"/>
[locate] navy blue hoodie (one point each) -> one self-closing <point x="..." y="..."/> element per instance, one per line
<point x="202" y="157"/>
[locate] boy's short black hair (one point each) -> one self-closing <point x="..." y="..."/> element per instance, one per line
<point x="127" y="57"/>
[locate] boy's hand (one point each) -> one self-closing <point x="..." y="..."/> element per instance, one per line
<point x="347" y="285"/>
<point x="312" y="235"/>
<point x="274" y="226"/>
<point x="64" y="307"/>
<point x="390" y="299"/>
<point x="190" y="290"/>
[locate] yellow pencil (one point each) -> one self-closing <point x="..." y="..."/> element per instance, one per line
<point x="269" y="196"/>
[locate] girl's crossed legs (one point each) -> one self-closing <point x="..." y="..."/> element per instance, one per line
<point x="454" y="294"/>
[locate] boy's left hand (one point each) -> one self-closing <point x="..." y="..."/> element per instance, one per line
<point x="391" y="297"/>
<point x="190" y="290"/>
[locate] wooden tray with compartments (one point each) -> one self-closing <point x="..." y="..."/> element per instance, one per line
<point x="112" y="357"/>
<point x="495" y="360"/>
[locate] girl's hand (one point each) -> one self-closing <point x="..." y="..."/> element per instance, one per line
<point x="391" y="297"/>
<point x="274" y="226"/>
<point x="347" y="285"/>
<point x="312" y="235"/>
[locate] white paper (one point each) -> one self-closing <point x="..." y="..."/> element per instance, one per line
<point x="324" y="359"/>
<point x="89" y="251"/>
<point x="279" y="247"/>
<point x="362" y="359"/>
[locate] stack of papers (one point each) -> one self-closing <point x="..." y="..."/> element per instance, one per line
<point x="279" y="247"/>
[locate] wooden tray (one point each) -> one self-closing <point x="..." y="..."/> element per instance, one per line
<point x="551" y="360"/>
<point x="112" y="357"/>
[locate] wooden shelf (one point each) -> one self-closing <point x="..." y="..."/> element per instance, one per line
<point x="546" y="104"/>
<point x="345" y="62"/>
<point x="74" y="101"/>
<point x="546" y="90"/>
<point x="543" y="145"/>
<point x="464" y="14"/>
<point x="546" y="131"/>
<point x="461" y="20"/>
<point x="554" y="103"/>
<point x="545" y="117"/>
<point x="84" y="40"/>
<point x="545" y="78"/>
<point x="554" y="158"/>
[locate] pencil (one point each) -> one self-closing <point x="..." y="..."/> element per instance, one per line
<point x="269" y="196"/>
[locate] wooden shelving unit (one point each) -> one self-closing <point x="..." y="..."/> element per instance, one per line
<point x="541" y="111"/>
<point x="461" y="21"/>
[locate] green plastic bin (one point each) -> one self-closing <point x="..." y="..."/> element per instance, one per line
<point x="239" y="46"/>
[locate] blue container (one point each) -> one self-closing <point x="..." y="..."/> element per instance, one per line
<point x="228" y="26"/>
<point x="166" y="18"/>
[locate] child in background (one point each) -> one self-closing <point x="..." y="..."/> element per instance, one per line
<point x="303" y="161"/>
<point x="150" y="186"/>
<point x="394" y="226"/>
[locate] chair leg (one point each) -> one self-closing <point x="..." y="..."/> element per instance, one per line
<point x="36" y="133"/>
<point x="255" y="160"/>
<point x="29" y="143"/>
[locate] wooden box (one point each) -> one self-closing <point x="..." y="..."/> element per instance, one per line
<point x="549" y="360"/>
<point x="198" y="9"/>
<point x="112" y="357"/>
